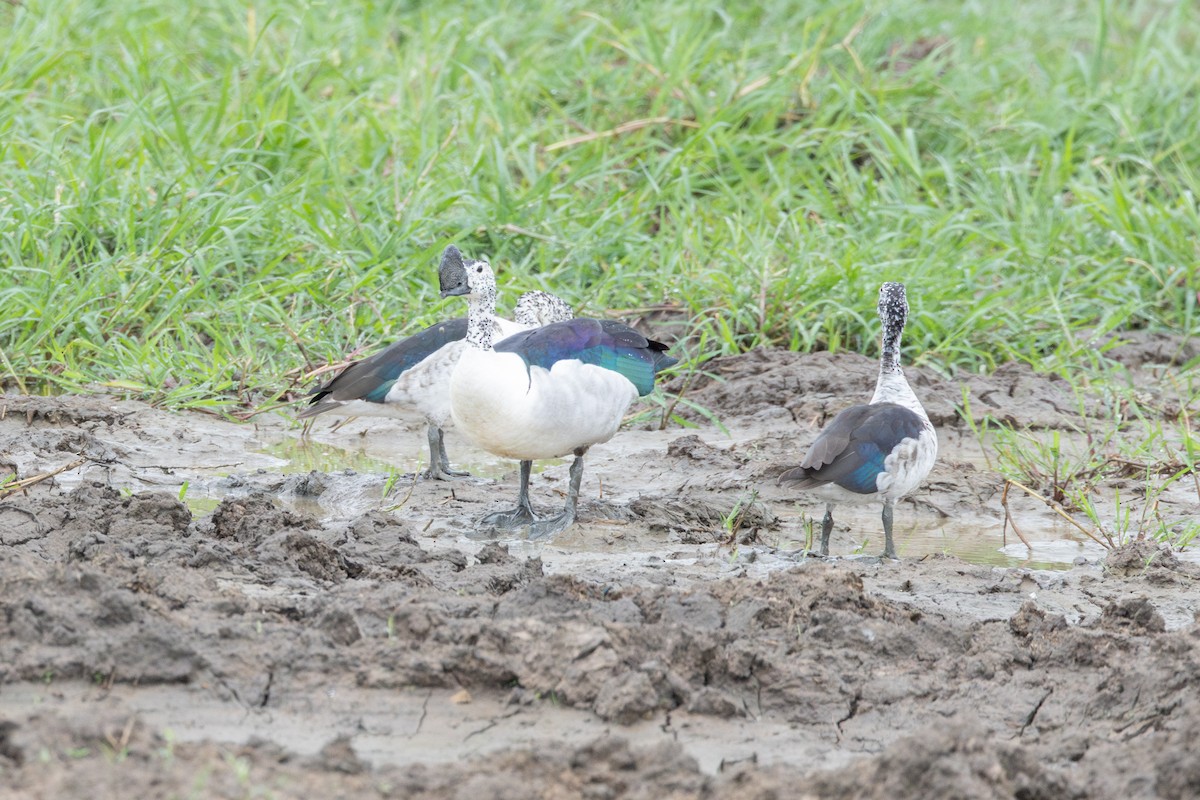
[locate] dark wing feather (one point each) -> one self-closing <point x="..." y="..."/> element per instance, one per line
<point x="371" y="378"/>
<point x="851" y="451"/>
<point x="604" y="343"/>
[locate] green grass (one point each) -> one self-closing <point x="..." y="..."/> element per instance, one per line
<point x="1129" y="471"/>
<point x="199" y="201"/>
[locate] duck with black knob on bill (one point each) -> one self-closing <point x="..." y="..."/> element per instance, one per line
<point x="413" y="374"/>
<point x="874" y="453"/>
<point x="544" y="393"/>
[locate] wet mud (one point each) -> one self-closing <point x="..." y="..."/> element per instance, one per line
<point x="207" y="609"/>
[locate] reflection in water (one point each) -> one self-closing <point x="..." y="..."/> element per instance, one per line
<point x="978" y="540"/>
<point x="305" y="455"/>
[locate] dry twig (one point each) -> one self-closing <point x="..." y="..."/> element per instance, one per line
<point x="1055" y="508"/>
<point x="16" y="487"/>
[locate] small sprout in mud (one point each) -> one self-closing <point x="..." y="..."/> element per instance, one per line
<point x="167" y="751"/>
<point x="258" y="627"/>
<point x="79" y="752"/>
<point x="391" y="626"/>
<point x="48" y="677"/>
<point x="116" y="744"/>
<point x="808" y="525"/>
<point x="183" y="490"/>
<point x="115" y="756"/>
<point x="1185" y="533"/>
<point x="126" y="491"/>
<point x="240" y="767"/>
<point x="731" y="523"/>
<point x="390" y="483"/>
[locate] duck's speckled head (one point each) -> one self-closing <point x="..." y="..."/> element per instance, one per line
<point x="469" y="278"/>
<point x="893" y="305"/>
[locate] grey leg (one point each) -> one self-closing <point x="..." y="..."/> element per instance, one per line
<point x="439" y="462"/>
<point x="453" y="473"/>
<point x="889" y="549"/>
<point x="549" y="526"/>
<point x="826" y="528"/>
<point x="522" y="514"/>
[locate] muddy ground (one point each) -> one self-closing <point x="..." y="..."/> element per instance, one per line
<point x="286" y="631"/>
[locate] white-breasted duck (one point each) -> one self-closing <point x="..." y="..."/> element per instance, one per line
<point x="872" y="453"/>
<point x="544" y="393"/>
<point x="414" y="373"/>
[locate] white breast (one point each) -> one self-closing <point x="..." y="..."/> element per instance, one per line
<point x="532" y="413"/>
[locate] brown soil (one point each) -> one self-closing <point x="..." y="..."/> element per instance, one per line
<point x="299" y="637"/>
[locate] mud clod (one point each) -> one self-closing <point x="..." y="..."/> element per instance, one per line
<point x="626" y="698"/>
<point x="1154" y="562"/>
<point x="1030" y="620"/>
<point x="339" y="756"/>
<point x="1135" y="613"/>
<point x="950" y="760"/>
<point x="697" y="519"/>
<point x="253" y="518"/>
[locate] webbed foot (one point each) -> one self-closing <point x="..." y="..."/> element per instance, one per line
<point x="506" y="520"/>
<point x="549" y="526"/>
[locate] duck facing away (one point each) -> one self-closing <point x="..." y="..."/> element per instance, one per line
<point x="878" y="452"/>
<point x="545" y="392"/>
<point x="414" y="373"/>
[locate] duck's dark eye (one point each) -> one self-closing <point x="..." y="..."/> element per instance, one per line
<point x="479" y="269"/>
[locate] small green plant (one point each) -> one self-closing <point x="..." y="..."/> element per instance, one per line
<point x="183" y="490"/>
<point x="116" y="745"/>
<point x="1080" y="475"/>
<point x="167" y="751"/>
<point x="241" y="767"/>
<point x="390" y="483"/>
<point x="407" y="495"/>
<point x="731" y="523"/>
<point x="809" y="526"/>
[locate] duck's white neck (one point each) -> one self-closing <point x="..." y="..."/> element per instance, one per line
<point x="892" y="386"/>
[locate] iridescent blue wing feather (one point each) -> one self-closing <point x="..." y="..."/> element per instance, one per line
<point x="371" y="378"/>
<point x="604" y="343"/>
<point x="852" y="450"/>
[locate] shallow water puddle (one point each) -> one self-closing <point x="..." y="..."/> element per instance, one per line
<point x="410" y="726"/>
<point x="380" y="449"/>
<point x="305" y="454"/>
<point x="338" y="472"/>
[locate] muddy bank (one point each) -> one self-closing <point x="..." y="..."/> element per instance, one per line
<point x="291" y="632"/>
<point x="726" y="687"/>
